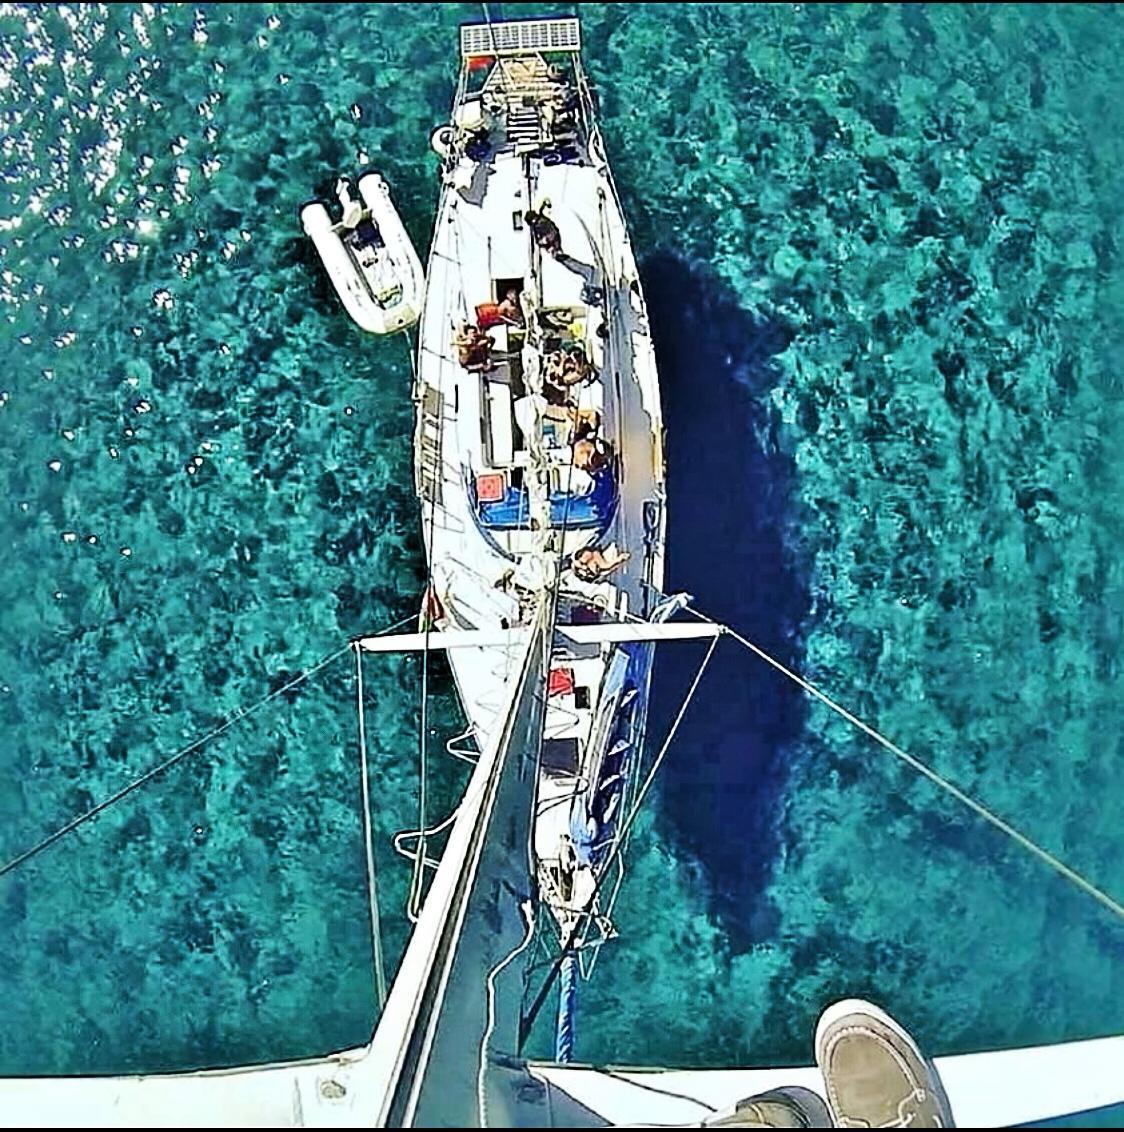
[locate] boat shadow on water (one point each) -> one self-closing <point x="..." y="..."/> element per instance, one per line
<point x="730" y="500"/>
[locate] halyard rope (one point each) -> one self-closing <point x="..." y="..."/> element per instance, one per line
<point x="368" y="835"/>
<point x="167" y="764"/>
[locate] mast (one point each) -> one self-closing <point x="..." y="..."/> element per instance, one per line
<point x="455" y="1003"/>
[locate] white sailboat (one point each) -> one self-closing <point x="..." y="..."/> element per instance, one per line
<point x="539" y="456"/>
<point x="446" y="1049"/>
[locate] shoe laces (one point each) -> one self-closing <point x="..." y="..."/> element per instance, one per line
<point x="908" y="1111"/>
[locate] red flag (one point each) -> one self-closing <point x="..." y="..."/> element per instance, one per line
<point x="480" y="62"/>
<point x="432" y="611"/>
<point x="560" y="682"/>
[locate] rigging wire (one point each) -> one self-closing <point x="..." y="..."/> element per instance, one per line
<point x="168" y="763"/>
<point x="180" y="755"/>
<point x="504" y="76"/>
<point x="1044" y="855"/>
<point x="417" y="876"/>
<point x="642" y="793"/>
<point x="618" y="1076"/>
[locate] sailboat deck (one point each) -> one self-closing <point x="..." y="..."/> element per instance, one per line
<point x="476" y="423"/>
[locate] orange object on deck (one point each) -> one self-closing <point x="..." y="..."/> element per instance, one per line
<point x="490" y="487"/>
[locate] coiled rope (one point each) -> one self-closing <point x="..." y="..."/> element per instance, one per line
<point x="417" y="876"/>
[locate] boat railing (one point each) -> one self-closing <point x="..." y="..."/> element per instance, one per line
<point x="586" y="99"/>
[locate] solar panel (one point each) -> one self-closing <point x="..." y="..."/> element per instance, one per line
<point x="520" y="37"/>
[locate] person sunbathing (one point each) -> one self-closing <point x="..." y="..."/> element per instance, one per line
<point x="474" y="349"/>
<point x="591" y="564"/>
<point x="576" y="366"/>
<point x="562" y="370"/>
<point x="506" y="311"/>
<point x="554" y="369"/>
<point x="590" y="455"/>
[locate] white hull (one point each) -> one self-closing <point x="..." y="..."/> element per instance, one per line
<point x="381" y="286"/>
<point x="470" y="241"/>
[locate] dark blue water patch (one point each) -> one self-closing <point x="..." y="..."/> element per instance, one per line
<point x="729" y="493"/>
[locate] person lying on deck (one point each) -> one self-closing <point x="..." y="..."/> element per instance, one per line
<point x="576" y="366"/>
<point x="590" y="455"/>
<point x="590" y="564"/>
<point x="560" y="370"/>
<point x="589" y="460"/>
<point x="563" y="370"/>
<point x="474" y="349"/>
<point x="505" y="311"/>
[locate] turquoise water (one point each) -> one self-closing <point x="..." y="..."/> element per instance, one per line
<point x="884" y="247"/>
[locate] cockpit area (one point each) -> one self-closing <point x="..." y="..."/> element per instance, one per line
<point x="565" y="421"/>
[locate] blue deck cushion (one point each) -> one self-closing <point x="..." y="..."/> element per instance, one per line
<point x="584" y="512"/>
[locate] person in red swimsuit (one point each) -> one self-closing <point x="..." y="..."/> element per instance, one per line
<point x="492" y="314"/>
